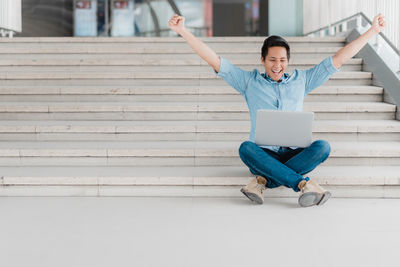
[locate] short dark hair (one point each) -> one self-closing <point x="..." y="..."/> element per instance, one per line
<point x="274" y="40"/>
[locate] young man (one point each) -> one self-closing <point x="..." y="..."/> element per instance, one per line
<point x="277" y="90"/>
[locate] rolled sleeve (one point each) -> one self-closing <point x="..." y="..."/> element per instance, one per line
<point x="319" y="74"/>
<point x="234" y="76"/>
<point x="328" y="62"/>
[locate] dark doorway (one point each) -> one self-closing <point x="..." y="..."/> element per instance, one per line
<point x="228" y="19"/>
<point x="263" y="19"/>
<point x="240" y="17"/>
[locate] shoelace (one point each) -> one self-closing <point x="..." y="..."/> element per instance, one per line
<point x="261" y="187"/>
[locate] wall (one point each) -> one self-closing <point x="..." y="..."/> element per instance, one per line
<point x="285" y="17"/>
<point x="319" y="13"/>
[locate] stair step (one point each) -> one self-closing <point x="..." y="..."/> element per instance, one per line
<point x="174" y="153"/>
<point x="181" y="111"/>
<point x="227" y="107"/>
<point x="300" y="39"/>
<point x="172" y="93"/>
<point x="341" y="130"/>
<point x="82" y="97"/>
<point x="84" y="60"/>
<point x="174" y="149"/>
<point x="167" y="90"/>
<point x="214" y="81"/>
<point x="342" y="181"/>
<point x="219" y="176"/>
<point x="113" y="69"/>
<point x="339" y="126"/>
<point x="146" y="75"/>
<point x="156" y="58"/>
<point x="143" y="48"/>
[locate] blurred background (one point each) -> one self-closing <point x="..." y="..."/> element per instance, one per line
<point x="205" y="18"/>
<point x="142" y="17"/>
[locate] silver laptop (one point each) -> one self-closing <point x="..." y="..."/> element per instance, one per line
<point x="283" y="128"/>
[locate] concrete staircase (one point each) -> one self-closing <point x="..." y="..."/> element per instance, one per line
<point x="147" y="117"/>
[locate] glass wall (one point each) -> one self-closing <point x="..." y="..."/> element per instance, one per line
<point x="151" y="17"/>
<point x="145" y="18"/>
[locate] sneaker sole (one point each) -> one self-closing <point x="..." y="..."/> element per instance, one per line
<point x="310" y="199"/>
<point x="252" y="196"/>
<point x="325" y="198"/>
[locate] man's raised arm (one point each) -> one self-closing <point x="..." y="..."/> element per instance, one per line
<point x="177" y="24"/>
<point x="351" y="49"/>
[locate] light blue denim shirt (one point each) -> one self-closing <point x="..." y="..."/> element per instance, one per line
<point x="261" y="92"/>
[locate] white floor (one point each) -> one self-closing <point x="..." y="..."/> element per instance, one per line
<point x="57" y="231"/>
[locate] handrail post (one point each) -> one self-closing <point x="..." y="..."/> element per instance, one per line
<point x="344" y="26"/>
<point x="359" y="18"/>
<point x="331" y="30"/>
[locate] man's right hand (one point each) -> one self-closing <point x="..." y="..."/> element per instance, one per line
<point x="177" y="23"/>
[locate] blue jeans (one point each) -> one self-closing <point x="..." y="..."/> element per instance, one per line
<point x="286" y="166"/>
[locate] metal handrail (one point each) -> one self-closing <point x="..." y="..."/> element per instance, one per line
<point x="333" y="24"/>
<point x="350" y="18"/>
<point x="382" y="35"/>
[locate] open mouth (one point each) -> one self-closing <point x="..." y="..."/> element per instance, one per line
<point x="276" y="72"/>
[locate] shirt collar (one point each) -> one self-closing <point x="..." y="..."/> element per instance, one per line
<point x="284" y="78"/>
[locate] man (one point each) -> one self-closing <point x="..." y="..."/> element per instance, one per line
<point x="277" y="90"/>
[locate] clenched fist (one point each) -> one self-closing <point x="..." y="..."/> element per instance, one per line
<point x="177" y="23"/>
<point x="379" y="23"/>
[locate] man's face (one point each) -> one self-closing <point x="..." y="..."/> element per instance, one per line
<point x="275" y="62"/>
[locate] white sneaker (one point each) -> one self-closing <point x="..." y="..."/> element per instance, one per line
<point x="254" y="190"/>
<point x="312" y="194"/>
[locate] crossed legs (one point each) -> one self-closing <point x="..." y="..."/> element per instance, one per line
<point x="284" y="167"/>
